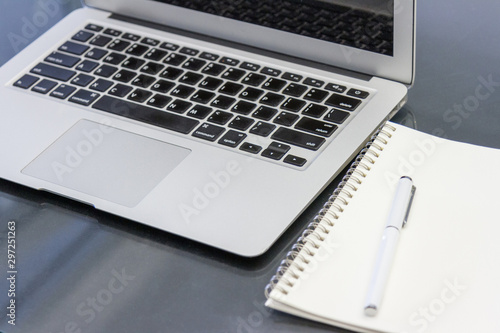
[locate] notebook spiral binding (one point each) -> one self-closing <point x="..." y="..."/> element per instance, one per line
<point x="307" y="245"/>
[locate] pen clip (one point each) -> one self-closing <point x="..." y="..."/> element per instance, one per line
<point x="412" y="194"/>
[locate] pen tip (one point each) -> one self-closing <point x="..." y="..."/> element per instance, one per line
<point x="371" y="310"/>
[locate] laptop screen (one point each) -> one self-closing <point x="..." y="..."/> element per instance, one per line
<point x="363" y="24"/>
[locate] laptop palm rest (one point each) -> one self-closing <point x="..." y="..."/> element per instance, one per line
<point x="106" y="162"/>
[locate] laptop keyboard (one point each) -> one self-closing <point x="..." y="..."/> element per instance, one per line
<point x="254" y="108"/>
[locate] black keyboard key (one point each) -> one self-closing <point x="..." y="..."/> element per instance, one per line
<point x="314" y="82"/>
<point x="143" y="81"/>
<point x="229" y="61"/>
<point x="169" y="46"/>
<point x="254" y="79"/>
<point x="26" y="81"/>
<point x="124" y="76"/>
<point x="182" y="91"/>
<point x="62" y="91"/>
<point x="139" y="95"/>
<point x="159" y="101"/>
<point x="336" y="116"/>
<point x="155" y="54"/>
<point x="358" y="93"/>
<point x="190" y="78"/>
<point x="209" y="56"/>
<point x="316" y="95"/>
<point x="208" y="132"/>
<point x="175" y="59"/>
<point x="232" y="138"/>
<point x="171" y="73"/>
<point x="230" y="88"/>
<point x="250" y="148"/>
<point x="194" y="64"/>
<point x="112" y="32"/>
<point x="199" y="111"/>
<point x="297" y="138"/>
<point x="213" y="69"/>
<point x="292" y="77"/>
<point x="146" y="114"/>
<point x="162" y="86"/>
<point x="335" y="87"/>
<point x="105" y="71"/>
<point x="272" y="99"/>
<point x="150" y="41"/>
<point x="87" y="66"/>
<point x="243" y="107"/>
<point x="93" y="27"/>
<point x="241" y="123"/>
<point x="131" y="37"/>
<point x="114" y="58"/>
<point x="270" y="71"/>
<point x="233" y="74"/>
<point x="220" y="117"/>
<point x="152" y="68"/>
<point x="316" y="126"/>
<point x="262" y="129"/>
<point x="74" y="48"/>
<point x="293" y="104"/>
<point x="84" y="97"/>
<point x="294" y="89"/>
<point x="202" y="96"/>
<point x="53" y="72"/>
<point x="276" y="151"/>
<point x="44" y="86"/>
<point x="274" y="84"/>
<point x="343" y="102"/>
<point x="62" y="59"/>
<point x="189" y="51"/>
<point x="210" y="83"/>
<point x="250" y="66"/>
<point x="100" y="40"/>
<point x="82" y="80"/>
<point x="96" y="53"/>
<point x="118" y="45"/>
<point x="101" y="85"/>
<point x="137" y="50"/>
<point x="264" y="113"/>
<point x="120" y="90"/>
<point x="315" y="110"/>
<point x="133" y="63"/>
<point x="295" y="160"/>
<point x="286" y="119"/>
<point x="252" y="94"/>
<point x="223" y="102"/>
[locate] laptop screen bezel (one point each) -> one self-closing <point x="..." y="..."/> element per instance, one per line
<point x="399" y="67"/>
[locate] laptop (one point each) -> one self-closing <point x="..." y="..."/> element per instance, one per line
<point x="219" y="121"/>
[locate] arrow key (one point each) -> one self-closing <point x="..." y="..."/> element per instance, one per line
<point x="295" y="160"/>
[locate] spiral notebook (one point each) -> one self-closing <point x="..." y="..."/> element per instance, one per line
<point x="446" y="272"/>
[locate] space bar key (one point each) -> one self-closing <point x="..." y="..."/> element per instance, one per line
<point x="146" y="114"/>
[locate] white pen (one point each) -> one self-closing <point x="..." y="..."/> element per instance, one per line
<point x="397" y="218"/>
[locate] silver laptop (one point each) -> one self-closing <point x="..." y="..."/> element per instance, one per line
<point x="218" y="120"/>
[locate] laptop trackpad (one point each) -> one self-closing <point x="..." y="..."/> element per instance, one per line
<point x="106" y="162"/>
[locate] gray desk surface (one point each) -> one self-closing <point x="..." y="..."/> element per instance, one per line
<point x="80" y="270"/>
